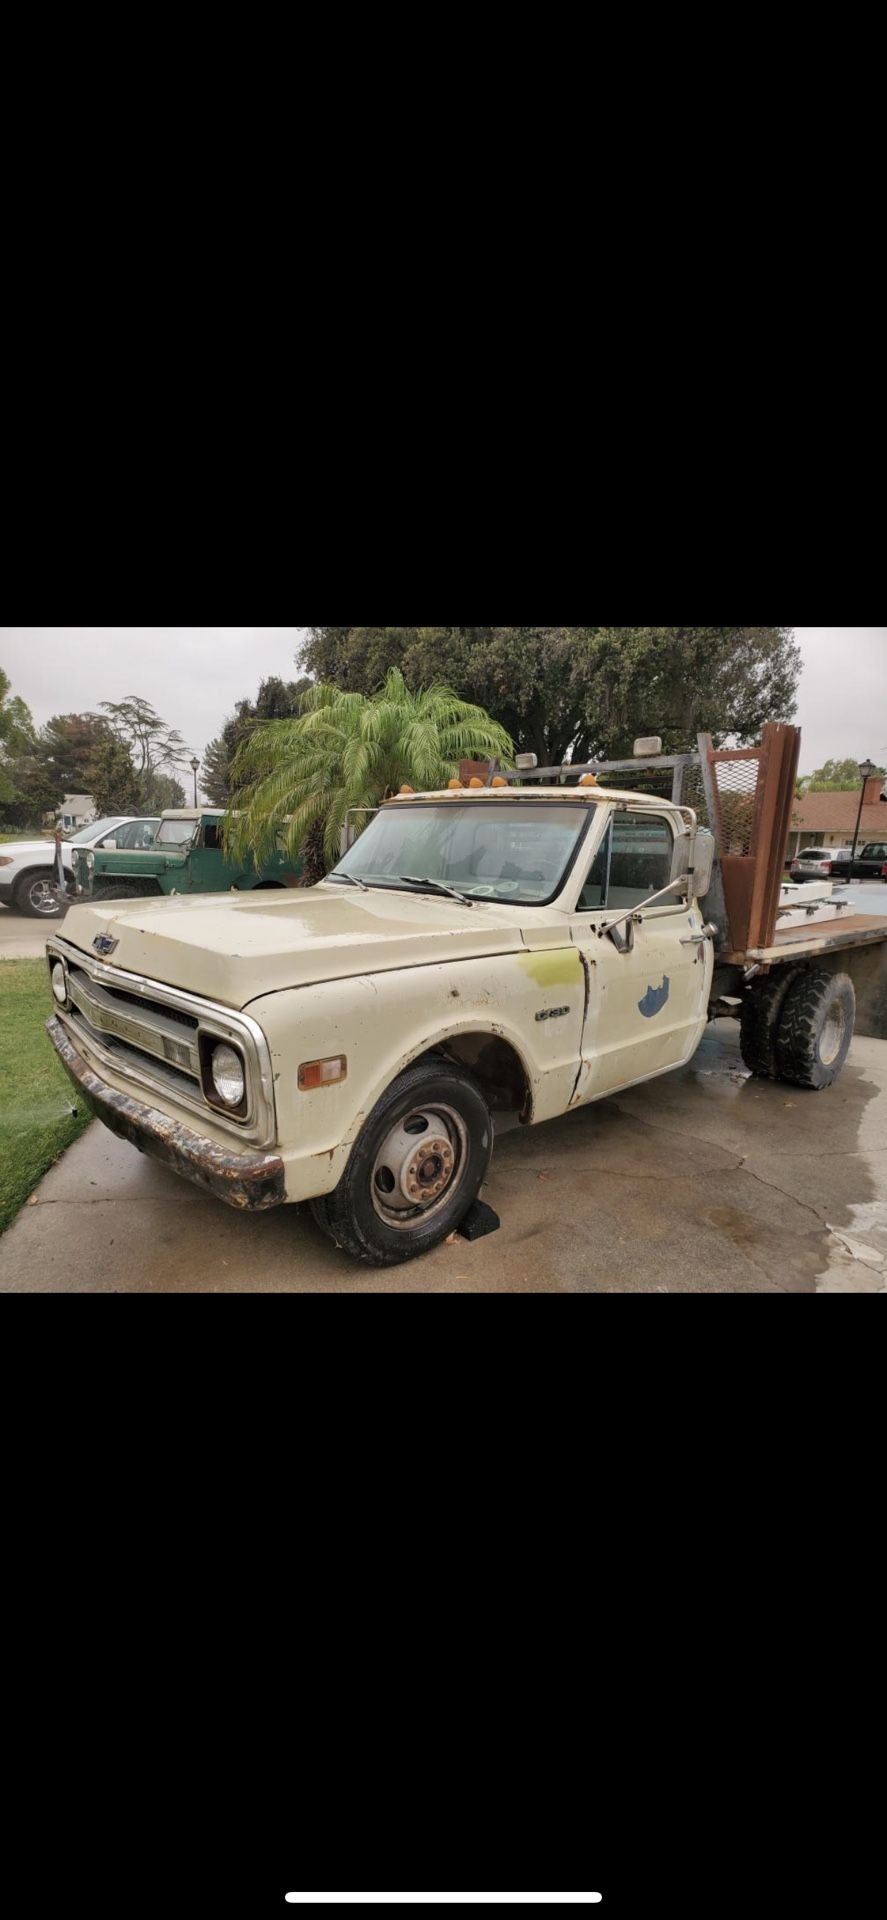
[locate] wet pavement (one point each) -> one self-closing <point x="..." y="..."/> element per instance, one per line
<point x="704" y="1181"/>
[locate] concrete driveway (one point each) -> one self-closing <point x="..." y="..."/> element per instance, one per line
<point x="24" y="939"/>
<point x="703" y="1181"/>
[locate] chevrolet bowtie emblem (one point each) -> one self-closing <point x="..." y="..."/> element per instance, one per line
<point x="104" y="945"/>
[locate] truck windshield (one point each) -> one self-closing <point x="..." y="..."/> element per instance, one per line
<point x="514" y="851"/>
<point x="177" y="833"/>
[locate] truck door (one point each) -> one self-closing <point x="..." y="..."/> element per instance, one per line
<point x="647" y="1003"/>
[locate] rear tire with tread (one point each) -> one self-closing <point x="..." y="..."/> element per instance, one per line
<point x="816" y="1029"/>
<point x="761" y="1014"/>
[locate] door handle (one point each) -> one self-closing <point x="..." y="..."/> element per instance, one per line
<point x="696" y="939"/>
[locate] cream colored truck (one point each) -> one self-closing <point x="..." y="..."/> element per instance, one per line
<point x="479" y="959"/>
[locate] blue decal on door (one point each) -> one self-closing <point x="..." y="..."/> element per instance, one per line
<point x="654" y="999"/>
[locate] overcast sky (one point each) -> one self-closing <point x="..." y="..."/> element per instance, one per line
<point x="194" y="675"/>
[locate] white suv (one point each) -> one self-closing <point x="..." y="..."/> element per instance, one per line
<point x="29" y="878"/>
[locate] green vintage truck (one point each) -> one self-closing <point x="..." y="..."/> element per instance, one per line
<point x="187" y="857"/>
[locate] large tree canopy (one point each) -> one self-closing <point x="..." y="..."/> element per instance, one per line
<point x="17" y="736"/>
<point x="158" y="752"/>
<point x="837" y="776"/>
<point x="276" y="700"/>
<point x="127" y="757"/>
<point x="584" y="692"/>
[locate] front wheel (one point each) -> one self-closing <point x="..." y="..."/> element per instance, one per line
<point x="36" y="896"/>
<point x="418" y="1166"/>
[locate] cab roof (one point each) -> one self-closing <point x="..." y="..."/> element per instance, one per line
<point x="592" y="796"/>
<point x="193" y="813"/>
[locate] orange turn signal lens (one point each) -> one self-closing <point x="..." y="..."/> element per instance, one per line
<point x="498" y="782"/>
<point x="475" y="782"/>
<point x="588" y="780"/>
<point x="322" y="1073"/>
<point x="455" y="786"/>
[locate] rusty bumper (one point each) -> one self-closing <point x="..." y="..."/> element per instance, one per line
<point x="252" y="1182"/>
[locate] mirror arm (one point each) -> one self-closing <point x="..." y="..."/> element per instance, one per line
<point x="635" y="913"/>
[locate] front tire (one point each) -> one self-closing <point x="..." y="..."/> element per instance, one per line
<point x="123" y="890"/>
<point x="36" y="895"/>
<point x="816" y="1029"/>
<point x="417" y="1167"/>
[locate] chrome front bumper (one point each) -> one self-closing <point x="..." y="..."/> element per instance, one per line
<point x="252" y="1182"/>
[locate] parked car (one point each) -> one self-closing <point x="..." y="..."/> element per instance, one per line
<point x="187" y="856"/>
<point x="817" y="863"/>
<point x="869" y="863"/>
<point x="29" y="876"/>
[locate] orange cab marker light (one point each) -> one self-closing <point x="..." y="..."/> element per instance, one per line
<point x="498" y="782"/>
<point x="588" y="780"/>
<point x="408" y="789"/>
<point x="455" y="786"/>
<point x="475" y="782"/>
<point x="322" y="1073"/>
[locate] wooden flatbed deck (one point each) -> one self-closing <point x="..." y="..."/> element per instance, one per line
<point x="825" y="936"/>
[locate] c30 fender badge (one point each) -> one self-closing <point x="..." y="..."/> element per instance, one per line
<point x="553" y="1013"/>
<point x="104" y="945"/>
<point x="654" y="999"/>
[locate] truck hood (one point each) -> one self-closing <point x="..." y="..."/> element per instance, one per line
<point x="236" y="947"/>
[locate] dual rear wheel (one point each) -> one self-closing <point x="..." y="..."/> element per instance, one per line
<point x="797" y="1026"/>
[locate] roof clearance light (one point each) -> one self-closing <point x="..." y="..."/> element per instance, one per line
<point x="454" y="786"/>
<point x="323" y="1073"/>
<point x="499" y="782"/>
<point x="475" y="782"/>
<point x="588" y="780"/>
<point x="407" y="790"/>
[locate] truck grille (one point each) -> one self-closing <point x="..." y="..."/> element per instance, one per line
<point x="127" y="1025"/>
<point x="161" y="1037"/>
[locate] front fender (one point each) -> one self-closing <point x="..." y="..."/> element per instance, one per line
<point x="382" y="1022"/>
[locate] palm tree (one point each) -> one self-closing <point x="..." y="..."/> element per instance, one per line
<point x="299" y="779"/>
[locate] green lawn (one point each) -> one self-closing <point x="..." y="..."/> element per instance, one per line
<point x="36" y="1096"/>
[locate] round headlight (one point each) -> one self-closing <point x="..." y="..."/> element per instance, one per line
<point x="228" y="1076"/>
<point x="90" y="861"/>
<point x="59" y="980"/>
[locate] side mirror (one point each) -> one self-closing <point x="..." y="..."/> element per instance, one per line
<point x="696" y="850"/>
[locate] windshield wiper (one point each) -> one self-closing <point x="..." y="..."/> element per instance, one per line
<point x="437" y="886"/>
<point x="350" y="880"/>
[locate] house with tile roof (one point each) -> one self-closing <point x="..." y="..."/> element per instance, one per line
<point x="829" y="819"/>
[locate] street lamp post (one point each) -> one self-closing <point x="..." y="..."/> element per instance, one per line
<point x="866" y="770"/>
<point x="195" y="769"/>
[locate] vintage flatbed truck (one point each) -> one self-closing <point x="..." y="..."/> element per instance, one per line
<point x="187" y="856"/>
<point x="481" y="958"/>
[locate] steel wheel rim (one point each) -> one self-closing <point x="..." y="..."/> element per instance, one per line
<point x="832" y="1037"/>
<point x="420" y="1165"/>
<point x="42" y="897"/>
